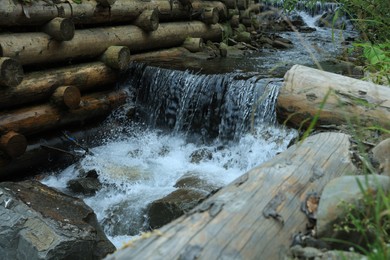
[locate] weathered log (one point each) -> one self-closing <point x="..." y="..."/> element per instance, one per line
<point x="38" y="86"/>
<point x="255" y="216"/>
<point x="148" y="20"/>
<point x="61" y="29"/>
<point x="116" y="57"/>
<point x="13" y="144"/>
<point x="11" y="72"/>
<point x="350" y="101"/>
<point x="200" y="7"/>
<point x="29" y="48"/>
<point x="14" y="13"/>
<point x="36" y="119"/>
<point x="67" y="96"/>
<point x="193" y="44"/>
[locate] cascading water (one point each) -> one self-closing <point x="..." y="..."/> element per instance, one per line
<point x="182" y="114"/>
<point x="141" y="162"/>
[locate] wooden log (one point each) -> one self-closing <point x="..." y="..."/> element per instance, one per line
<point x="38" y="86"/>
<point x="14" y="13"/>
<point x="36" y="119"/>
<point x="11" y="72"/>
<point x="67" y="96"/>
<point x="61" y="29"/>
<point x="116" y="57"/>
<point x="193" y="44"/>
<point x="30" y="48"/>
<point x="106" y="3"/>
<point x="351" y="101"/>
<point x="13" y="144"/>
<point x="242" y="4"/>
<point x="235" y="21"/>
<point x="256" y="215"/>
<point x="148" y="20"/>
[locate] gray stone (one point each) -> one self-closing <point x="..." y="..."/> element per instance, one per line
<point x="172" y="206"/>
<point x="87" y="186"/>
<point x="340" y="192"/>
<point x="193" y="180"/>
<point x="38" y="222"/>
<point x="381" y="154"/>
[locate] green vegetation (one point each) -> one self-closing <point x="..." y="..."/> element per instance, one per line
<point x="370" y="221"/>
<point x="372" y="19"/>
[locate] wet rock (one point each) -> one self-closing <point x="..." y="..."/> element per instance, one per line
<point x="124" y="218"/>
<point x="193" y="180"/>
<point x="306" y="29"/>
<point x="339" y="193"/>
<point x="172" y="206"/>
<point x="381" y="154"/>
<point x="38" y="222"/>
<point x="202" y="154"/>
<point x="87" y="186"/>
<point x="299" y="252"/>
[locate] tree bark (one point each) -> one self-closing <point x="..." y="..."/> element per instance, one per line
<point x="13" y="144"/>
<point x="38" y="86"/>
<point x="11" y="72"/>
<point x="255" y="216"/>
<point x="350" y="101"/>
<point x="37" y="119"/>
<point x="116" y="57"/>
<point x="13" y="13"/>
<point x="67" y="96"/>
<point x="31" y="48"/>
<point x="61" y="29"/>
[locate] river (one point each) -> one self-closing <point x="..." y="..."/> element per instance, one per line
<point x="229" y="114"/>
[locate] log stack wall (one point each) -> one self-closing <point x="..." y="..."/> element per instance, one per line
<point x="60" y="61"/>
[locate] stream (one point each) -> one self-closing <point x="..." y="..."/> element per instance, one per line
<point x="214" y="120"/>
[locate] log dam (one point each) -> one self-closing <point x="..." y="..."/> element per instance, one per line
<point x="60" y="63"/>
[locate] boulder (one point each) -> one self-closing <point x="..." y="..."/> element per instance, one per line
<point x="172" y="206"/>
<point x="339" y="195"/>
<point x="202" y="154"/>
<point x="38" y="222"/>
<point x="87" y="186"/>
<point x="381" y="154"/>
<point x="193" y="180"/>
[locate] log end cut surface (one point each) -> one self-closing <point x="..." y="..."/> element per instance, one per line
<point x="13" y="144"/>
<point x="11" y="72"/>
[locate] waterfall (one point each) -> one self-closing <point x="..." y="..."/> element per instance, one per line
<point x="220" y="105"/>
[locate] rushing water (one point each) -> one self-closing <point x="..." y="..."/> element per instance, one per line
<point x="179" y="114"/>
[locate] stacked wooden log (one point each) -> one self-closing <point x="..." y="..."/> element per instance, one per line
<point x="80" y="50"/>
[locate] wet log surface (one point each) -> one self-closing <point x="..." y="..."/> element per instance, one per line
<point x="349" y="100"/>
<point x="255" y="216"/>
<point x="39" y="86"/>
<point x="34" y="48"/>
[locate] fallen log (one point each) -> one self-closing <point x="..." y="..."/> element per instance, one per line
<point x="40" y="12"/>
<point x="350" y="101"/>
<point x="256" y="215"/>
<point x="148" y="20"/>
<point x="36" y="119"/>
<point x="38" y="86"/>
<point x="32" y="48"/>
